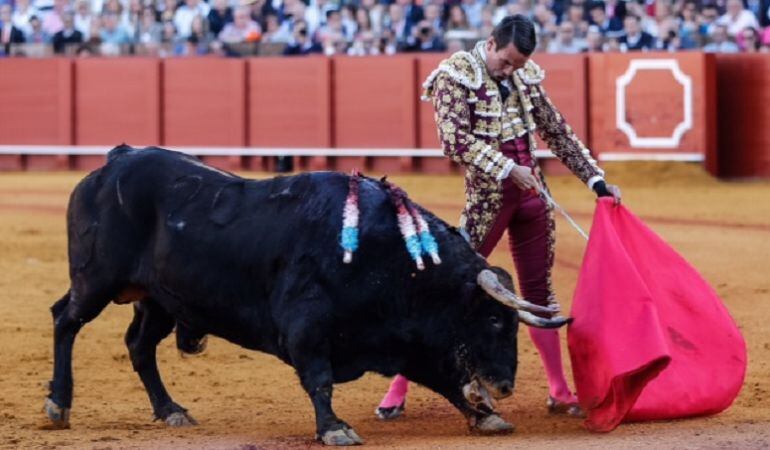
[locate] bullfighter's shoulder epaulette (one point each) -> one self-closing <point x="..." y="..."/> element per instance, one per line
<point x="462" y="67"/>
<point x="531" y="73"/>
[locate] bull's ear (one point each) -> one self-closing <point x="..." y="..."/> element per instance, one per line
<point x="226" y="203"/>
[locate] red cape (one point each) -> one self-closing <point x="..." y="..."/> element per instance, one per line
<point x="650" y="338"/>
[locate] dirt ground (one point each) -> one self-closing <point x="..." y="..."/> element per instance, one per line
<point x="247" y="400"/>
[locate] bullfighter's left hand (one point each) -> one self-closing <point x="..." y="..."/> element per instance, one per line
<point x="607" y="190"/>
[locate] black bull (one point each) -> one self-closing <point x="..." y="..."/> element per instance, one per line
<point x="259" y="264"/>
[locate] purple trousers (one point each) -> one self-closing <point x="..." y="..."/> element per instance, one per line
<point x="530" y="228"/>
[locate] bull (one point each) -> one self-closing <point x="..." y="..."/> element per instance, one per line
<point x="258" y="263"/>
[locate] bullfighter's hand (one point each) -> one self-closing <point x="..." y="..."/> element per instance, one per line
<point x="523" y="178"/>
<point x="607" y="190"/>
<point x="615" y="191"/>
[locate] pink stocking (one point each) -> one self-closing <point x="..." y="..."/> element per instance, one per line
<point x="396" y="393"/>
<point x="547" y="343"/>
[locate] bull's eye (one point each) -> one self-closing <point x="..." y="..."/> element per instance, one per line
<point x="496" y="323"/>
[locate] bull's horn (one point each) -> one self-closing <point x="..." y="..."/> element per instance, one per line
<point x="539" y="322"/>
<point x="491" y="284"/>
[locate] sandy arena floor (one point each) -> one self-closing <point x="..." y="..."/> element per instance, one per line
<point x="246" y="400"/>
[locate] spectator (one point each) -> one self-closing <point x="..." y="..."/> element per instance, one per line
<point x="273" y="31"/>
<point x="334" y="43"/>
<point x="707" y="19"/>
<point x="52" y="22"/>
<point x="376" y="12"/>
<point x="594" y="40"/>
<point x="565" y="41"/>
<point x="168" y="37"/>
<point x="749" y="42"/>
<point x="185" y="14"/>
<point x="396" y="22"/>
<point x="611" y="27"/>
<point x="113" y="34"/>
<point x="9" y="34"/>
<point x="412" y="14"/>
<point x="612" y="45"/>
<point x="94" y="39"/>
<point x="425" y="39"/>
<point x="433" y="18"/>
<point x="348" y="18"/>
<point x="487" y="21"/>
<point x="131" y="17"/>
<point x="220" y="15"/>
<point x="458" y="21"/>
<point x="37" y="35"/>
<point x="363" y="45"/>
<point x="301" y="43"/>
<point x="68" y="34"/>
<point x="719" y="42"/>
<point x="363" y="21"/>
<point x="576" y="16"/>
<point x="688" y="26"/>
<point x="635" y="39"/>
<point x="546" y="21"/>
<point x="21" y="14"/>
<point x="473" y="10"/>
<point x="387" y="44"/>
<point x="167" y="10"/>
<point x="334" y="27"/>
<point x="242" y="29"/>
<point x="83" y="18"/>
<point x="616" y="9"/>
<point x="199" y="29"/>
<point x="149" y="32"/>
<point x="736" y="19"/>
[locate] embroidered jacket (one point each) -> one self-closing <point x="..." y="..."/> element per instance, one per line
<point x="473" y="122"/>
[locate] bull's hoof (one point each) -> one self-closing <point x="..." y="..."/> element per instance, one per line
<point x="180" y="419"/>
<point x="59" y="417"/>
<point x="491" y="424"/>
<point x="390" y="412"/>
<point x="195" y="349"/>
<point x="343" y="436"/>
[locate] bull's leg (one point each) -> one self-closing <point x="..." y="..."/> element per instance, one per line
<point x="188" y="341"/>
<point x="151" y="325"/>
<point x="310" y="357"/>
<point x="70" y="313"/>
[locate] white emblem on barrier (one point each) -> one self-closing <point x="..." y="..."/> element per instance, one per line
<point x="620" y="101"/>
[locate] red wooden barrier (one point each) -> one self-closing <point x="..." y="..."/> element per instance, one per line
<point x="743" y="116"/>
<point x="116" y="100"/>
<point x="35" y="108"/>
<point x="204" y="104"/>
<point x="375" y="106"/>
<point x="660" y="115"/>
<point x="289" y="105"/>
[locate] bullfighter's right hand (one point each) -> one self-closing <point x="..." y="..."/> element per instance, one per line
<point x="523" y="178"/>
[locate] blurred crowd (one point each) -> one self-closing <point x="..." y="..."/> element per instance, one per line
<point x="371" y="27"/>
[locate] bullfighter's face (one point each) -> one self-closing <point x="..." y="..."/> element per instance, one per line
<point x="502" y="62"/>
